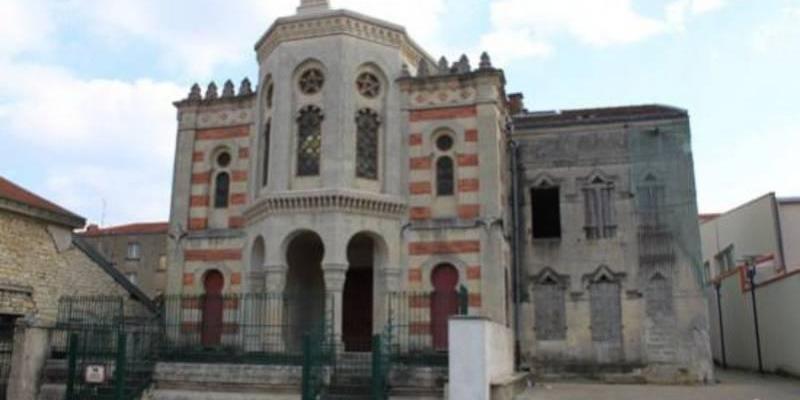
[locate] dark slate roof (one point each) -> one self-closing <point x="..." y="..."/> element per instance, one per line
<point x="543" y="119"/>
<point x="32" y="202"/>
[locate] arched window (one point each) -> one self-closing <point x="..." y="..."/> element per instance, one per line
<point x="367" y="123"/>
<point x="265" y="166"/>
<point x="221" y="190"/>
<point x="444" y="176"/>
<point x="309" y="138"/>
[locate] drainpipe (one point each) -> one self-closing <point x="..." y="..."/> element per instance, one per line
<point x="717" y="287"/>
<point x="751" y="274"/>
<point x="513" y="148"/>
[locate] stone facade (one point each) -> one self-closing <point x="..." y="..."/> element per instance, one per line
<point x="139" y="251"/>
<point x="621" y="273"/>
<point x="40" y="260"/>
<point x="359" y="153"/>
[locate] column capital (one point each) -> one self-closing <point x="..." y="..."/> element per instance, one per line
<point x="335" y="275"/>
<point x="275" y="278"/>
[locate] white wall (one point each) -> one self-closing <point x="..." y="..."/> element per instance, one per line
<point x="790" y="230"/>
<point x="481" y="352"/>
<point x="779" y="322"/>
<point x="749" y="227"/>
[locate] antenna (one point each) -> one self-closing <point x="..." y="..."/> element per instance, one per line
<point x="103" y="212"/>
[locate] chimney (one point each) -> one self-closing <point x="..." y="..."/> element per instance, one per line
<point x="313" y="6"/>
<point x="516" y="104"/>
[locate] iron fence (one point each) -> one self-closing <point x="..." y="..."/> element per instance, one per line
<point x="101" y="311"/>
<point x="7" y="330"/>
<point x="417" y="325"/>
<point x="261" y="328"/>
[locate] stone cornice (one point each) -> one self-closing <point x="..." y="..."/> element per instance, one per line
<point x="339" y="22"/>
<point x="71" y="221"/>
<point x="316" y="201"/>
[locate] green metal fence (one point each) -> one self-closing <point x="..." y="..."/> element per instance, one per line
<point x="414" y="326"/>
<point x="262" y="328"/>
<point x="109" y="362"/>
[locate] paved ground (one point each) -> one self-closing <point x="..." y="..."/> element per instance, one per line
<point x="732" y="386"/>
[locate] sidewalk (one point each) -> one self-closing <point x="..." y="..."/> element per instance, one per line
<point x="732" y="386"/>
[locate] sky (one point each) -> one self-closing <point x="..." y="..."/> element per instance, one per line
<point x="86" y="86"/>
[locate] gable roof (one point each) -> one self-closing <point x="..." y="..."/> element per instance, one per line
<point x="18" y="199"/>
<point x="142" y="228"/>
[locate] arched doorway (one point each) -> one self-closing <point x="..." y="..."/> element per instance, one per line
<point x="357" y="299"/>
<point x="305" y="288"/>
<point x="444" y="302"/>
<point x="212" y="309"/>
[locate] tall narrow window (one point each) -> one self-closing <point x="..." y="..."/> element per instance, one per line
<point x="265" y="165"/>
<point x="444" y="176"/>
<point x="651" y="202"/>
<point x="367" y="123"/>
<point x="550" y="309"/>
<point x="309" y="141"/>
<point x="599" y="209"/>
<point x="222" y="190"/>
<point x="545" y="213"/>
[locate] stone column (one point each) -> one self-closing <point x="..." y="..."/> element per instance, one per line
<point x="275" y="278"/>
<point x="335" y="276"/>
<point x="274" y="286"/>
<point x="31" y="345"/>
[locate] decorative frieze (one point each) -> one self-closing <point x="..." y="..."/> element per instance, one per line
<point x="329" y="201"/>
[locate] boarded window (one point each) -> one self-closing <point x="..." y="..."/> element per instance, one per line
<point x="550" y="310"/>
<point x="222" y="190"/>
<point x="545" y="213"/>
<point x="606" y="311"/>
<point x="444" y="176"/>
<point x="367" y="124"/>
<point x="651" y="202"/>
<point x="658" y="296"/>
<point x="599" y="209"/>
<point x="309" y="141"/>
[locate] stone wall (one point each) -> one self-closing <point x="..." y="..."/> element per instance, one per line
<point x="32" y="262"/>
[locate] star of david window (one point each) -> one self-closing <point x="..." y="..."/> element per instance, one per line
<point x="367" y="123"/>
<point x="311" y="81"/>
<point x="309" y="138"/>
<point x="368" y="85"/>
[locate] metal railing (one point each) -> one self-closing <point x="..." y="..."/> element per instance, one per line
<point x="262" y="328"/>
<point x="418" y="324"/>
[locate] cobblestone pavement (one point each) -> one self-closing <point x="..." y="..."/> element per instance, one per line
<point x="732" y="386"/>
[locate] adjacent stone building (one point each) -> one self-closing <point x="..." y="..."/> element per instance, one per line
<point x="361" y="166"/>
<point x="138" y="251"/>
<point x="41" y="261"/>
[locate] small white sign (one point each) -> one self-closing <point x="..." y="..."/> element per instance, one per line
<point x="95" y="374"/>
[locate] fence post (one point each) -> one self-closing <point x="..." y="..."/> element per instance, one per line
<point x="119" y="371"/>
<point x="72" y="364"/>
<point x="306" y="383"/>
<point x="463" y="300"/>
<point x="377" y="368"/>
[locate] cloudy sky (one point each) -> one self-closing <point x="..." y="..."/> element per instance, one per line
<point x="86" y="86"/>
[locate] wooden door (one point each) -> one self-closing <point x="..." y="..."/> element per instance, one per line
<point x="444" y="303"/>
<point x="357" y="310"/>
<point x="212" y="309"/>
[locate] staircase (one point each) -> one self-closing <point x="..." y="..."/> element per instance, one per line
<point x="351" y="378"/>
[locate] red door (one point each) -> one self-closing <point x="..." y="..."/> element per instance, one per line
<point x="444" y="302"/>
<point x="212" y="309"/>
